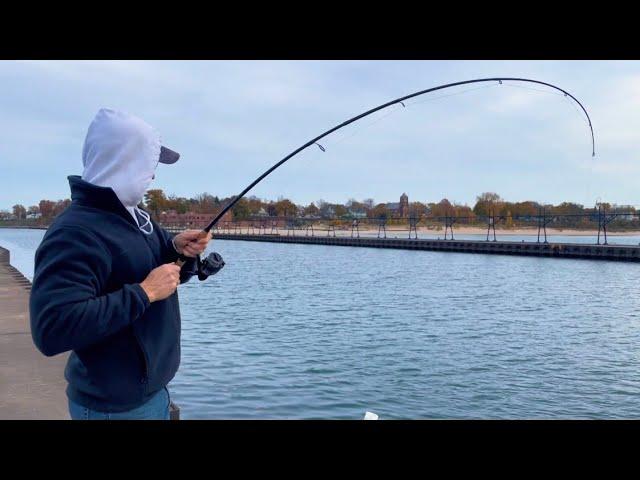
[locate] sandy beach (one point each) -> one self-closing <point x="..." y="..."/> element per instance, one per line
<point x="532" y="231"/>
<point x="466" y="230"/>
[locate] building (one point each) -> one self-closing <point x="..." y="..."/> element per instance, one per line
<point x="357" y="213"/>
<point x="327" y="211"/>
<point x="191" y="219"/>
<point x="399" y="209"/>
<point x="629" y="212"/>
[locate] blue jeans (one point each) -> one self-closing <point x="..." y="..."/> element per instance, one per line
<point x="157" y="408"/>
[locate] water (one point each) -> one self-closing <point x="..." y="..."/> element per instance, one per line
<point x="22" y="244"/>
<point x="310" y="331"/>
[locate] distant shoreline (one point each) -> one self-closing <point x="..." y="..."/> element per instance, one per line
<point x="502" y="232"/>
<point x="533" y="231"/>
<point x="520" y="231"/>
<point x="22" y="227"/>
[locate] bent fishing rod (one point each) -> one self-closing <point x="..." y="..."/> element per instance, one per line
<point x="397" y="101"/>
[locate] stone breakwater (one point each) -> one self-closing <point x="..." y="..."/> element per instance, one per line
<point x="32" y="386"/>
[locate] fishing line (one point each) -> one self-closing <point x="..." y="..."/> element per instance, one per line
<point x="582" y="119"/>
<point x="534" y="89"/>
<point x="592" y="160"/>
<point x="401" y="100"/>
<point x="400" y="106"/>
<point x="365" y="126"/>
<point x="452" y="94"/>
<point x="576" y="110"/>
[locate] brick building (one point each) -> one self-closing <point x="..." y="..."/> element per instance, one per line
<point x="400" y="209"/>
<point x="191" y="219"/>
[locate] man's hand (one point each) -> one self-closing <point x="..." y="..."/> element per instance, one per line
<point x="161" y="282"/>
<point x="190" y="243"/>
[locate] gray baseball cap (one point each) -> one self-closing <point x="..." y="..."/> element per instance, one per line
<point x="168" y="156"/>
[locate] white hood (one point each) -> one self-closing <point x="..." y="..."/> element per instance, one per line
<point x="121" y="151"/>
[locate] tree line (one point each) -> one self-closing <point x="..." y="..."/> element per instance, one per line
<point x="45" y="209"/>
<point x="487" y="204"/>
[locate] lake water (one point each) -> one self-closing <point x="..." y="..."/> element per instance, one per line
<point x="311" y="331"/>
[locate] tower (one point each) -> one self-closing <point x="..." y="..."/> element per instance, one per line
<point x="404" y="205"/>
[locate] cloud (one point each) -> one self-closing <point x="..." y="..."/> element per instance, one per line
<point x="233" y="119"/>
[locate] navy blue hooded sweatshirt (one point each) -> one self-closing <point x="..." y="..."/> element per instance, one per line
<point x="86" y="297"/>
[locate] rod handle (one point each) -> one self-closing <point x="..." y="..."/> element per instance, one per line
<point x="182" y="259"/>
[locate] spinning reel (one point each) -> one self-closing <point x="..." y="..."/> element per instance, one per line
<point x="211" y="265"/>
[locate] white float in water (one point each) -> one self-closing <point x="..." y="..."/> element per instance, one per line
<point x="370" y="416"/>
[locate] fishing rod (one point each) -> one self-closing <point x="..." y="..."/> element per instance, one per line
<point x="397" y="101"/>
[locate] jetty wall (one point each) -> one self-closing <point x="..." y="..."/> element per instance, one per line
<point x="625" y="253"/>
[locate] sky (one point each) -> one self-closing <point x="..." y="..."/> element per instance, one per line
<point x="231" y="120"/>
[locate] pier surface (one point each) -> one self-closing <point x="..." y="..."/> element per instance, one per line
<point x="32" y="386"/>
<point x="627" y="253"/>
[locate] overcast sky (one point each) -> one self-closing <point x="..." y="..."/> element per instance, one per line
<point x="231" y="120"/>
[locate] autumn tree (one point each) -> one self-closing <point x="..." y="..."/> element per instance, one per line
<point x="490" y="197"/>
<point x="19" y="211"/>
<point x="486" y="203"/>
<point x="60" y="206"/>
<point x="179" y="204"/>
<point x="285" y="207"/>
<point x="255" y="205"/>
<point x="417" y="209"/>
<point x="463" y="211"/>
<point x="442" y="209"/>
<point x="46" y="208"/>
<point x="241" y="209"/>
<point x="567" y="208"/>
<point x="155" y="201"/>
<point x="206" y="203"/>
<point x="340" y="210"/>
<point x="524" y="209"/>
<point x="311" y="210"/>
<point x="508" y="220"/>
<point x="379" y="211"/>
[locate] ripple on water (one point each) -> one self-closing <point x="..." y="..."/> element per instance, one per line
<point x="309" y="331"/>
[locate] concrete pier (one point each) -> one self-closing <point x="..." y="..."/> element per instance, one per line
<point x="32" y="386"/>
<point x="625" y="253"/>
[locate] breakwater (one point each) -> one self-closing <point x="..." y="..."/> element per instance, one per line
<point x="625" y="253"/>
<point x="32" y="386"/>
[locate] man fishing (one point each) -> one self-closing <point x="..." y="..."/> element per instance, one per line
<point x="105" y="280"/>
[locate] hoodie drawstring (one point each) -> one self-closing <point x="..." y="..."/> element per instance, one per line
<point x="147" y="219"/>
